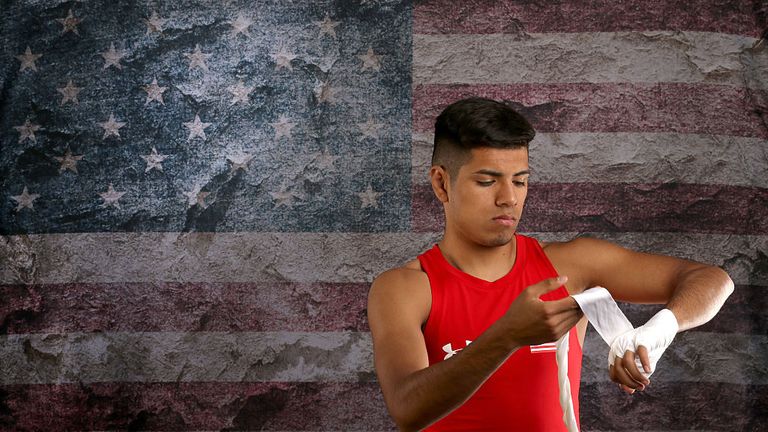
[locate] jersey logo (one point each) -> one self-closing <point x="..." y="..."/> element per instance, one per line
<point x="450" y="352"/>
<point x="544" y="348"/>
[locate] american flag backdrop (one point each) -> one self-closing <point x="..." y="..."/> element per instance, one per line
<point x="195" y="195"/>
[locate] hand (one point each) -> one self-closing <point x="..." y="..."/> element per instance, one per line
<point x="532" y="321"/>
<point x="633" y="355"/>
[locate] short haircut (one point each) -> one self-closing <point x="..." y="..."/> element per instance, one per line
<point x="477" y="122"/>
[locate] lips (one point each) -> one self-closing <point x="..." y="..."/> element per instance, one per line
<point x="505" y="220"/>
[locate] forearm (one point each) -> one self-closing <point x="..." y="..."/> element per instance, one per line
<point x="699" y="295"/>
<point x="427" y="395"/>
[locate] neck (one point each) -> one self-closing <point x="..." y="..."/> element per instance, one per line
<point x="485" y="262"/>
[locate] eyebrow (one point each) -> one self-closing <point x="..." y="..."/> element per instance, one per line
<point x="498" y="174"/>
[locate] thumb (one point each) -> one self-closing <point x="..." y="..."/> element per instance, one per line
<point x="547" y="285"/>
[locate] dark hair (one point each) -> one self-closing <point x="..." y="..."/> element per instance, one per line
<point x="477" y="122"/>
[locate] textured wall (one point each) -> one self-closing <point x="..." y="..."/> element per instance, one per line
<point x="189" y="228"/>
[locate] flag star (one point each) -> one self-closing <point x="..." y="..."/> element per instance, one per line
<point x="324" y="161"/>
<point x="196" y="197"/>
<point x="283" y="58"/>
<point x="239" y="162"/>
<point x="370" y="60"/>
<point x="240" y="25"/>
<point x="111" y="127"/>
<point x="197" y="59"/>
<point x="26" y="199"/>
<point x="70" y="93"/>
<point x="27" y="131"/>
<point x="284" y="197"/>
<point x="154" y="92"/>
<point x="112" y="57"/>
<point x="70" y="23"/>
<point x="28" y="60"/>
<point x="282" y="127"/>
<point x="153" y="160"/>
<point x="369" y="198"/>
<point x="111" y="196"/>
<point x="196" y="128"/>
<point x="370" y="128"/>
<point x="240" y="93"/>
<point x="325" y="93"/>
<point x="68" y="161"/>
<point x="154" y="23"/>
<point x="327" y="26"/>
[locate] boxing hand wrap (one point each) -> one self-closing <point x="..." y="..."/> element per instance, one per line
<point x="655" y="336"/>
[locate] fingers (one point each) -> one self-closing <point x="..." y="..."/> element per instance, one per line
<point x="624" y="372"/>
<point x="642" y="351"/>
<point x="546" y="286"/>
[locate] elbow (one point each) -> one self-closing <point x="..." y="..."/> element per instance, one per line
<point x="728" y="286"/>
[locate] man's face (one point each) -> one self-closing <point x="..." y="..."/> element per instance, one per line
<point x="486" y="199"/>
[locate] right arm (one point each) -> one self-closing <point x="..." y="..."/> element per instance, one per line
<point x="417" y="394"/>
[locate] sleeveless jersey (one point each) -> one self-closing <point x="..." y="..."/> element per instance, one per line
<point x="523" y="394"/>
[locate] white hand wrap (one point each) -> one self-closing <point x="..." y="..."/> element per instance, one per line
<point x="655" y="336"/>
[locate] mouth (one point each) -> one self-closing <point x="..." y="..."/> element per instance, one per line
<point x="505" y="220"/>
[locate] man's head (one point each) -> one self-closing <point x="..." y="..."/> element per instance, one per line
<point x="474" y="123"/>
<point x="480" y="170"/>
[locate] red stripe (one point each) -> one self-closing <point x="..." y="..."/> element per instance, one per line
<point x="673" y="406"/>
<point x="194" y="406"/>
<point x="511" y="16"/>
<point x="357" y="406"/>
<point x="624" y="207"/>
<point x="149" y="307"/>
<point x="612" y="107"/>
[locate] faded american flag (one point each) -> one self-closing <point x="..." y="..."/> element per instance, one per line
<point x="196" y="195"/>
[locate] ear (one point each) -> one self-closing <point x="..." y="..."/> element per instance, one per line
<point x="440" y="180"/>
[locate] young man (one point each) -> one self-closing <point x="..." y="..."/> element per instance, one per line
<point x="458" y="332"/>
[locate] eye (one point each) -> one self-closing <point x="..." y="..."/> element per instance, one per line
<point x="485" y="183"/>
<point x="519" y="183"/>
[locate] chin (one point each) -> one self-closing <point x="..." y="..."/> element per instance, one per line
<point x="500" y="240"/>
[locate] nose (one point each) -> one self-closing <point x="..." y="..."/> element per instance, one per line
<point x="507" y="195"/>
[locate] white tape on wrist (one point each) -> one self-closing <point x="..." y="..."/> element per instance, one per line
<point x="616" y="330"/>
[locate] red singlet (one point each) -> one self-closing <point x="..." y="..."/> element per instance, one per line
<point x="523" y="394"/>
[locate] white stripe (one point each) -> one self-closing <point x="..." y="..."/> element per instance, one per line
<point x="632" y="158"/>
<point x="300" y="257"/>
<point x="594" y="57"/>
<point x="185" y="357"/>
<point x="314" y="357"/>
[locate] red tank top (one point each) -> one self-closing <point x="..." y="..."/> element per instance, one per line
<point x="523" y="394"/>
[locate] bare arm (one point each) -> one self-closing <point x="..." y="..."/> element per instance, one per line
<point x="417" y="394"/>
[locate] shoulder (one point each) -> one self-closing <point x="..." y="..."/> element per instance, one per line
<point x="580" y="259"/>
<point x="405" y="288"/>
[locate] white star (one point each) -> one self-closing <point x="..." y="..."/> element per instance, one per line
<point x="284" y="197"/>
<point x="70" y="93"/>
<point x="25" y="199"/>
<point x="327" y="26"/>
<point x="70" y="23"/>
<point x="370" y="128"/>
<point x="154" y="92"/>
<point x="282" y="127"/>
<point x="153" y="160"/>
<point x="111" y="127"/>
<point x="197" y="59"/>
<point x="111" y="196"/>
<point x="27" y="131"/>
<point x="369" y="198"/>
<point x="112" y="57"/>
<point x="325" y="93"/>
<point x="68" y="162"/>
<point x="370" y="60"/>
<point x="283" y="59"/>
<point x="196" y="128"/>
<point x="239" y="162"/>
<point x="240" y="93"/>
<point x="324" y="161"/>
<point x="28" y="60"/>
<point x="240" y="25"/>
<point x="154" y="23"/>
<point x="196" y="197"/>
